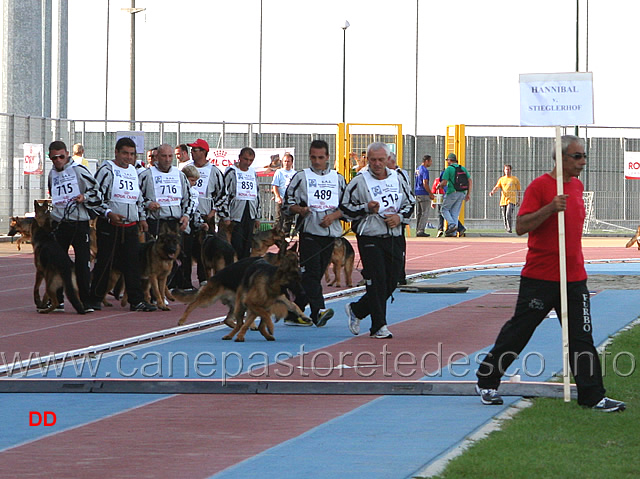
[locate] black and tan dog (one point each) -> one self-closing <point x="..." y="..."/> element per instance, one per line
<point x="223" y="286"/>
<point x="157" y="258"/>
<point x="21" y="225"/>
<point x="263" y="240"/>
<point x="261" y="294"/>
<point x="341" y="259"/>
<point x="634" y="240"/>
<point x="215" y="253"/>
<point x="53" y="265"/>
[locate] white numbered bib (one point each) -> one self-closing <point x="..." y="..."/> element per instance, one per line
<point x="64" y="187"/>
<point x="167" y="186"/>
<point x="322" y="190"/>
<point x="386" y="192"/>
<point x="125" y="188"/>
<point x="246" y="184"/>
<point x="203" y="181"/>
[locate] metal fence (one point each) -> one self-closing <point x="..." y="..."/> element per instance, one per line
<point x="616" y="202"/>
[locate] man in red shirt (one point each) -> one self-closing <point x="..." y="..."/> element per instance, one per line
<point x="540" y="284"/>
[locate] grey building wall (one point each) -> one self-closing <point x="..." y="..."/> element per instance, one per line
<point x="28" y="41"/>
<point x="22" y="57"/>
<point x="63" y="59"/>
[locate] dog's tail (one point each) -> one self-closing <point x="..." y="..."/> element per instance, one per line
<point x="185" y="297"/>
<point x="71" y="289"/>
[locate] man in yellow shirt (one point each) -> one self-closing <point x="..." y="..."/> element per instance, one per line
<point x="510" y="197"/>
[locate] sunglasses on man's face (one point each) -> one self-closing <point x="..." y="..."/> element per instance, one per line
<point x="193" y="150"/>
<point x="56" y="157"/>
<point x="577" y="156"/>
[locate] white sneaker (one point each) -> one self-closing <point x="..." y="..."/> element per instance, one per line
<point x="383" y="333"/>
<point x="354" y="323"/>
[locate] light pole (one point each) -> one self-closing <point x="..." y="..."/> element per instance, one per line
<point x="132" y="75"/>
<point x="344" y="67"/>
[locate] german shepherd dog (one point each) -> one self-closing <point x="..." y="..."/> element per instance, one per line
<point x="342" y="258"/>
<point x="157" y="257"/>
<point x="222" y="287"/>
<point x="634" y="240"/>
<point x="261" y="289"/>
<point x="22" y="225"/>
<point x="263" y="240"/>
<point x="53" y="265"/>
<point x="224" y="229"/>
<point x="215" y="253"/>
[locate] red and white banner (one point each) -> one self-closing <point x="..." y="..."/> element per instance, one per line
<point x="33" y="158"/>
<point x="632" y="165"/>
<point x="267" y="160"/>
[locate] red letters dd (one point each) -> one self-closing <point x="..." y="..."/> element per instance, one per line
<point x="35" y="418"/>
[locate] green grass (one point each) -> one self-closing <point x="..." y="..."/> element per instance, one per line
<point x="554" y="439"/>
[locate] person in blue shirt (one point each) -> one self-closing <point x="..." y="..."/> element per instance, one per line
<point x="424" y="196"/>
<point x="281" y="179"/>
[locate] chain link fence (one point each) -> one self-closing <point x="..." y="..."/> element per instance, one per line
<point x="615" y="205"/>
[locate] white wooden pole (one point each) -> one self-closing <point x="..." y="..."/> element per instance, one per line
<point x="562" y="253"/>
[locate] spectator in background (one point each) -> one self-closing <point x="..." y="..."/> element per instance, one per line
<point x="438" y="194"/>
<point x="78" y="155"/>
<point x="362" y="161"/>
<point x="509" y="187"/>
<point x="281" y="179"/>
<point x="457" y="181"/>
<point x="424" y="196"/>
<point x="151" y="157"/>
<point x="182" y="154"/>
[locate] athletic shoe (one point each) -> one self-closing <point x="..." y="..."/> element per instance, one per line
<point x="324" y="315"/>
<point x="97" y="306"/>
<point x="88" y="308"/>
<point x="422" y="234"/>
<point x="143" y="306"/>
<point x="440" y="234"/>
<point x="462" y="232"/>
<point x="609" y="405"/>
<point x="490" y="397"/>
<point x="383" y="333"/>
<point x="354" y="323"/>
<point x="451" y="231"/>
<point x="297" y="321"/>
<point x="60" y="307"/>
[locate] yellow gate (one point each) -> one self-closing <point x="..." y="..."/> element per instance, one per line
<point x="353" y="139"/>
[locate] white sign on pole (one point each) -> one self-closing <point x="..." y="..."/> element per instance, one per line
<point x="556" y="99"/>
<point x="136" y="136"/>
<point x="632" y="165"/>
<point x="33" y="158"/>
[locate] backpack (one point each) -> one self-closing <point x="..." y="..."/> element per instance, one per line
<point x="460" y="179"/>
